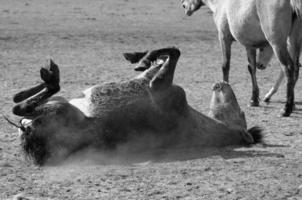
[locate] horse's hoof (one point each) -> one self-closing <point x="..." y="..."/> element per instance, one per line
<point x="266" y="99"/>
<point x="143" y="65"/>
<point x="134" y="57"/>
<point x="285" y="112"/>
<point x="254" y="103"/>
<point x="260" y="66"/>
<point x="140" y="68"/>
<point x="50" y="73"/>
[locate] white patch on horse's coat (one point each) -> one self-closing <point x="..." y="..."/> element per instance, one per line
<point x="88" y="91"/>
<point x="83" y="103"/>
<point x="24" y="122"/>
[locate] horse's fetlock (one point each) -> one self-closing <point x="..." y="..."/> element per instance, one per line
<point x="53" y="88"/>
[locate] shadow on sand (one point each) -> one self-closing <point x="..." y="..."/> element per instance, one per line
<point x="297" y="109"/>
<point x="124" y="157"/>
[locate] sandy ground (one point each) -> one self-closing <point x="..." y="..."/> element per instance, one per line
<point x="86" y="39"/>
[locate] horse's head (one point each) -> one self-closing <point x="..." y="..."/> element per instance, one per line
<point x="54" y="129"/>
<point x="191" y="6"/>
<point x="49" y="125"/>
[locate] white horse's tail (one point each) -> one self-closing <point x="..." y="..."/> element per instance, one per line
<point x="297" y="6"/>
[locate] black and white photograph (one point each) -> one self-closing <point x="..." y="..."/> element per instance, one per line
<point x="150" y="100"/>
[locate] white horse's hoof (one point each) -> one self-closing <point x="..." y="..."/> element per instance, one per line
<point x="266" y="99"/>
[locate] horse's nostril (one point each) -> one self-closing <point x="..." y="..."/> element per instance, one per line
<point x="183" y="6"/>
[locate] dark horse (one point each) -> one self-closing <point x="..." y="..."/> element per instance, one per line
<point x="148" y="106"/>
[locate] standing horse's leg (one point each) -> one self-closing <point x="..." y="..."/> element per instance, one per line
<point x="225" y="43"/>
<point x="294" y="48"/>
<point x="277" y="28"/>
<point x="288" y="68"/>
<point x="274" y="89"/>
<point x="294" y="45"/>
<point x="251" y="54"/>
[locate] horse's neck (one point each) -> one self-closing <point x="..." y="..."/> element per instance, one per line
<point x="213" y="4"/>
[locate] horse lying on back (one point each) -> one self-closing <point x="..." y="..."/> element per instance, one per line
<point x="148" y="106"/>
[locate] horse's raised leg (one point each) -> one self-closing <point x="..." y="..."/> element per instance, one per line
<point x="134" y="57"/>
<point x="164" y="77"/>
<point x="161" y="75"/>
<point x="225" y="44"/>
<point x="21" y="96"/>
<point x="274" y="89"/>
<point x="251" y="54"/>
<point x="294" y="48"/>
<point x="263" y="58"/>
<point x="51" y="76"/>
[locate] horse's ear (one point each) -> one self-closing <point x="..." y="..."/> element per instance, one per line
<point x="134" y="57"/>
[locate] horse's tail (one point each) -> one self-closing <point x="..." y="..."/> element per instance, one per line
<point x="297" y="7"/>
<point x="257" y="133"/>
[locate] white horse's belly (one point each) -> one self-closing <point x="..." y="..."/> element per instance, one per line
<point x="244" y="23"/>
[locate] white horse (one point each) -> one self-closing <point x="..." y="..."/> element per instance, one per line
<point x="273" y="26"/>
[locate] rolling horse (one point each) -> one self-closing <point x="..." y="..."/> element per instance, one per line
<point x="149" y="110"/>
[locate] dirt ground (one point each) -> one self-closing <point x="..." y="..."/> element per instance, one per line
<point x="86" y="39"/>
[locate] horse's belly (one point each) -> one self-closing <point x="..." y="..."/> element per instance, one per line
<point x="244" y="23"/>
